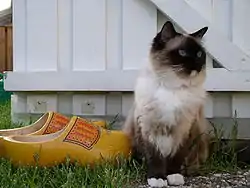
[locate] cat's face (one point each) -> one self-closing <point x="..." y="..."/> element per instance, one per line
<point x="181" y="53"/>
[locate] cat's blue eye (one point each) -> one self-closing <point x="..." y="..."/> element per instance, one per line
<point x="199" y="54"/>
<point x="182" y="53"/>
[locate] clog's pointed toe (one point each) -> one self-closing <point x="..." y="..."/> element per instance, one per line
<point x="50" y="122"/>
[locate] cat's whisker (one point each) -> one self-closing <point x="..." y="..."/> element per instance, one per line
<point x="181" y="69"/>
<point x="176" y="66"/>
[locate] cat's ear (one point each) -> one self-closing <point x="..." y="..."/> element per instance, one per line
<point x="168" y="31"/>
<point x="200" y="33"/>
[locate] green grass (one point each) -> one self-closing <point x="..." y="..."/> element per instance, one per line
<point x="67" y="176"/>
<point x="5" y="120"/>
<point x="126" y="174"/>
<point x="224" y="156"/>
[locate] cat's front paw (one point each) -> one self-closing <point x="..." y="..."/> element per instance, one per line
<point x="157" y="182"/>
<point x="175" y="179"/>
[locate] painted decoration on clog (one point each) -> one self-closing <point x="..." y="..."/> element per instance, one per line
<point x="56" y="123"/>
<point x="83" y="133"/>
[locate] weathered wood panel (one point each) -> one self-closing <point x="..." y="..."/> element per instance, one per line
<point x="6" y="51"/>
<point x="2" y="49"/>
<point x="9" y="47"/>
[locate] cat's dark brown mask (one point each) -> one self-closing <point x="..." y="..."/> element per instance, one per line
<point x="183" y="53"/>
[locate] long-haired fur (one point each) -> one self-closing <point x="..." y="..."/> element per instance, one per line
<point x="169" y="96"/>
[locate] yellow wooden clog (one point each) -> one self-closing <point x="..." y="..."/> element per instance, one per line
<point x="80" y="140"/>
<point x="50" y="122"/>
<point x="43" y="124"/>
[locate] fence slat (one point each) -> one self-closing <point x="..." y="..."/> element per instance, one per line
<point x="240" y="28"/>
<point x="9" y="49"/>
<point x="2" y="48"/>
<point x="6" y="52"/>
<point x="136" y="40"/>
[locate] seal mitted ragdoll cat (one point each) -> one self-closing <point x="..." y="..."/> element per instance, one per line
<point x="168" y="106"/>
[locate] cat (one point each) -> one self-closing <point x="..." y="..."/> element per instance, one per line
<point x="169" y="98"/>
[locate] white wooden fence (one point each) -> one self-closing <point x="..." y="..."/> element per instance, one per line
<point x="81" y="57"/>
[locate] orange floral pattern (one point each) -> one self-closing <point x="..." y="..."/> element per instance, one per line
<point x="57" y="123"/>
<point x="83" y="133"/>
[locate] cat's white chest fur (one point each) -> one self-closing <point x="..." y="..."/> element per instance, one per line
<point x="160" y="106"/>
<point x="167" y="104"/>
<point x="171" y="105"/>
